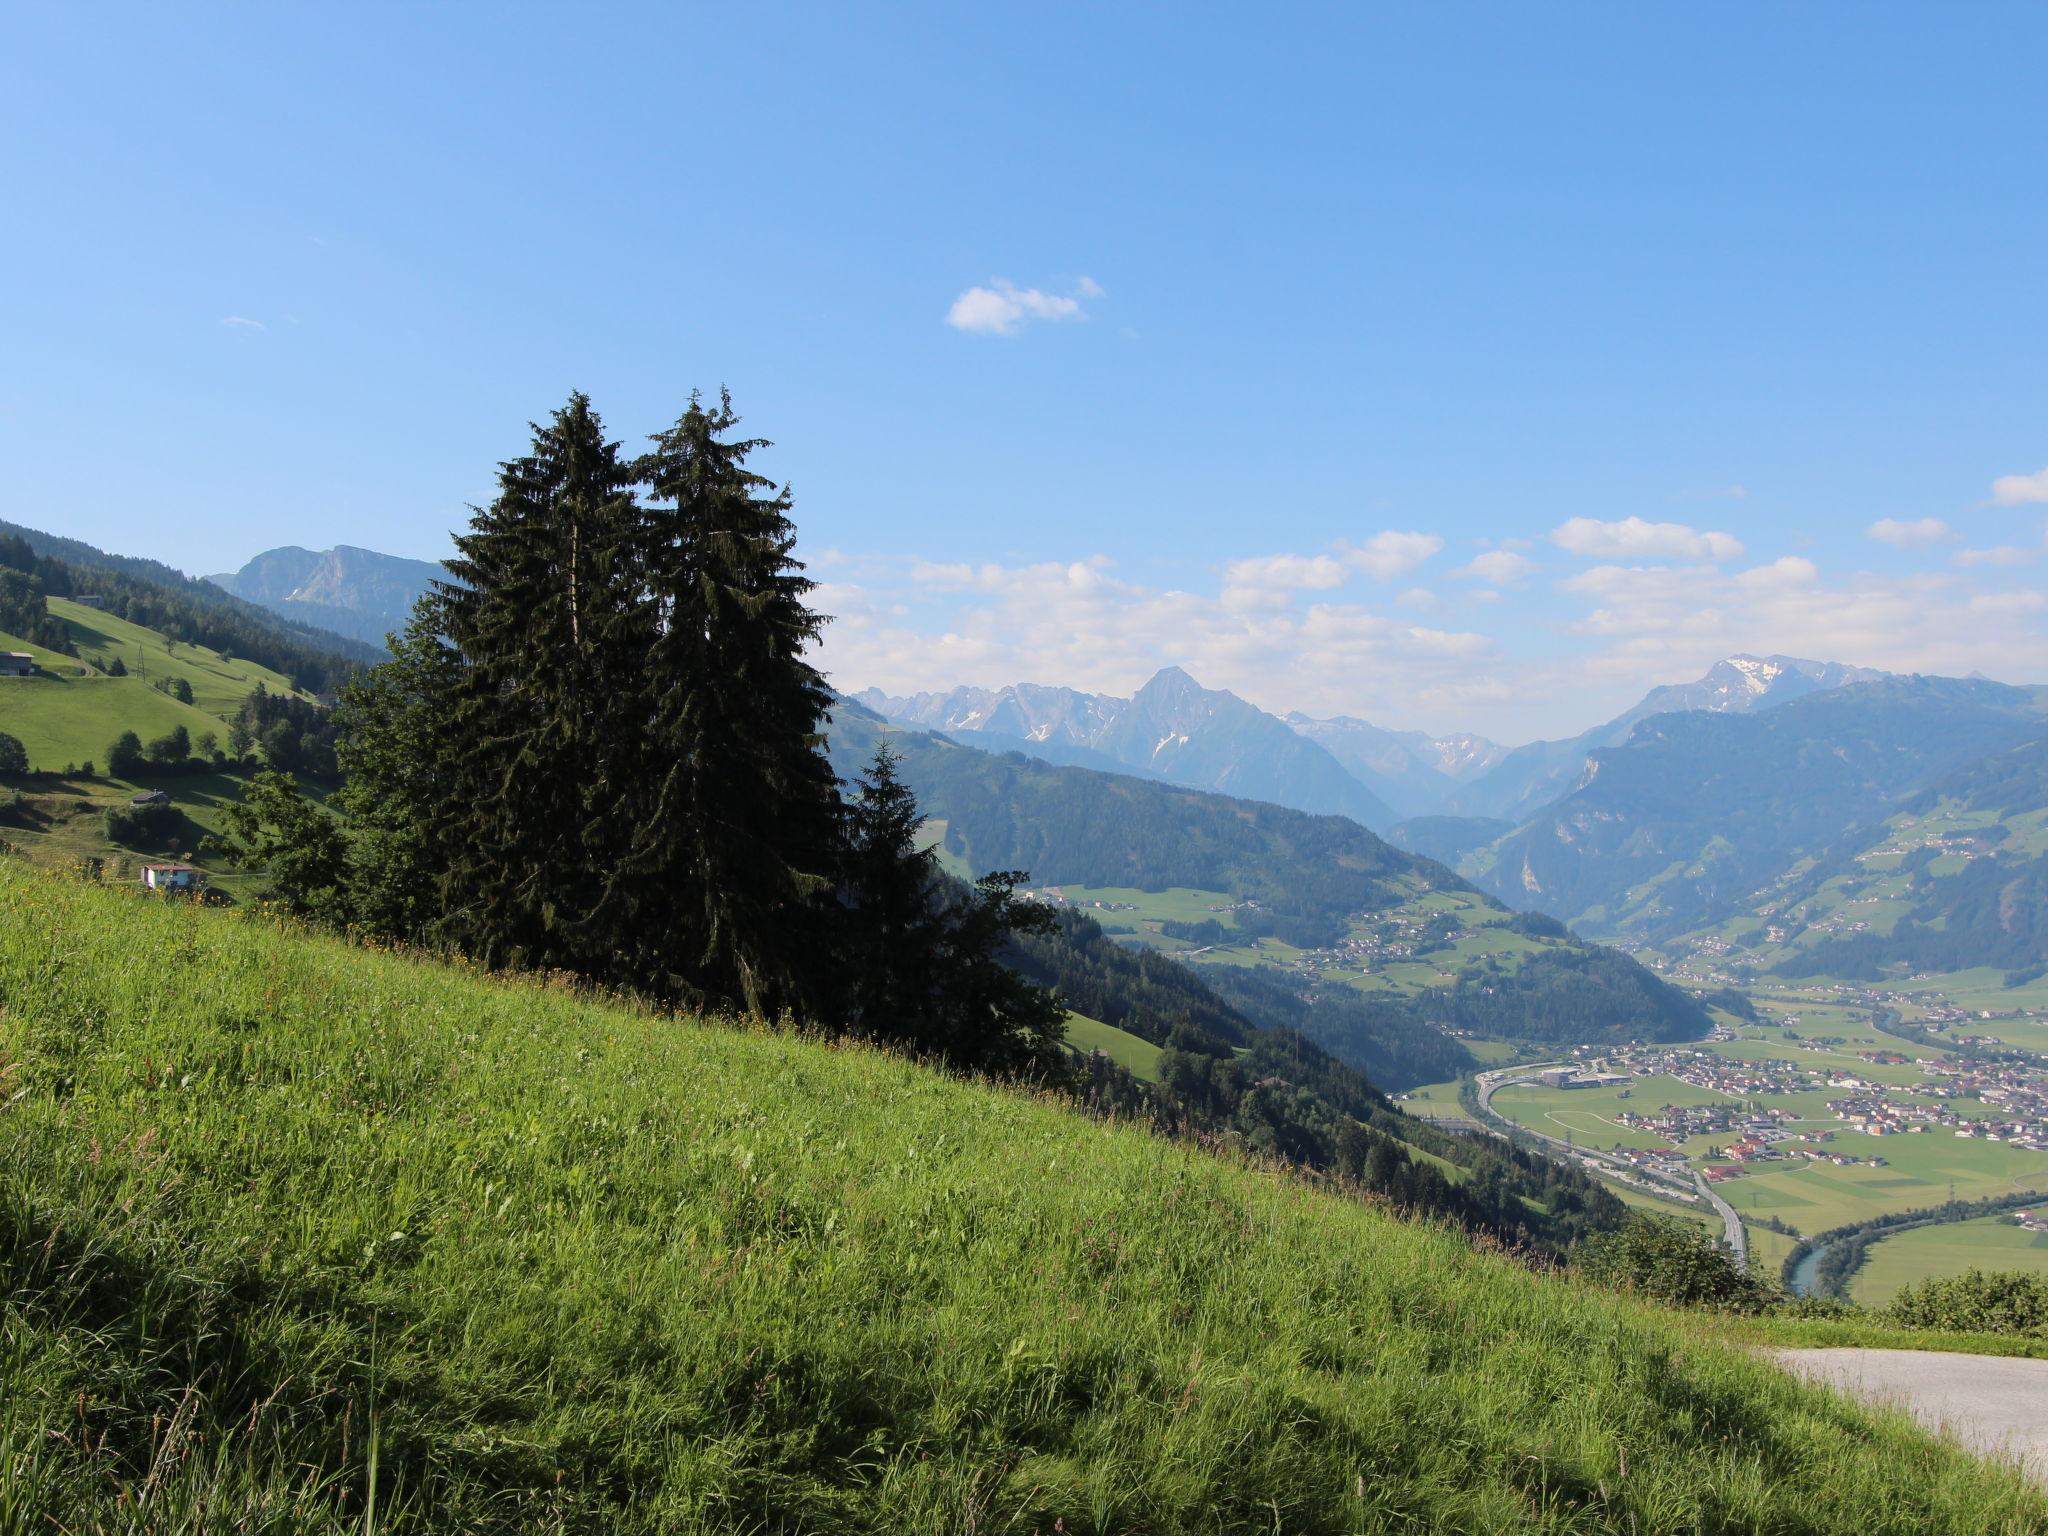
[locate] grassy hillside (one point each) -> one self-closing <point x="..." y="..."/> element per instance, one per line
<point x="300" y="1237"/>
<point x="72" y="710"/>
<point x="219" y="684"/>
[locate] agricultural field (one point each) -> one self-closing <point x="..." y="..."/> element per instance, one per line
<point x="576" y="1251"/>
<point x="1586" y="1115"/>
<point x="1987" y="1242"/>
<point x="1919" y="1172"/>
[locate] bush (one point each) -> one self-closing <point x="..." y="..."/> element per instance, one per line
<point x="1676" y="1263"/>
<point x="1976" y="1301"/>
<point x="133" y="826"/>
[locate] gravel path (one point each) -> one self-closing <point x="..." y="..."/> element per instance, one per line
<point x="1991" y="1404"/>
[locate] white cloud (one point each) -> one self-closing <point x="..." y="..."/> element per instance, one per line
<point x="1420" y="598"/>
<point x="1390" y="553"/>
<point x="2000" y="554"/>
<point x="1003" y="309"/>
<point x="1633" y="539"/>
<point x="241" y="322"/>
<point x="1270" y="581"/>
<point x="1917" y="534"/>
<point x="1785" y="571"/>
<point x="1285" y="573"/>
<point x="2020" y="490"/>
<point x="1501" y="567"/>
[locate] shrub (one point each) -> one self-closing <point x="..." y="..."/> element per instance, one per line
<point x="1676" y="1263"/>
<point x="1976" y="1301"/>
<point x="135" y="825"/>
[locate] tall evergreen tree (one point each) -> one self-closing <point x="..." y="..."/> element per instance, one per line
<point x="533" y="735"/>
<point x="738" y="833"/>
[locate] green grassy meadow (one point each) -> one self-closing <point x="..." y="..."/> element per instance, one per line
<point x="1987" y="1242"/>
<point x="299" y="1236"/>
<point x="1137" y="1056"/>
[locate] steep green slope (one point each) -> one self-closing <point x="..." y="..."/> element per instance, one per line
<point x="299" y="1237"/>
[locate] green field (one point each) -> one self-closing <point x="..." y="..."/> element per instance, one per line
<point x="1138" y="1057"/>
<point x="304" y="1237"/>
<point x="1817" y="1196"/>
<point x="218" y="684"/>
<point x="1988" y="1242"/>
<point x="1586" y="1115"/>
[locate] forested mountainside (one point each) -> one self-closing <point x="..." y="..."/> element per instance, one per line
<point x="1695" y="812"/>
<point x="1319" y="884"/>
<point x="1956" y="878"/>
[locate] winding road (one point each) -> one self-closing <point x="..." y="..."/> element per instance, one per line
<point x="1488" y="1083"/>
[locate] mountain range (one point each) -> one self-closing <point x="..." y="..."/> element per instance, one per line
<point x="355" y="592"/>
<point x="1175" y="729"/>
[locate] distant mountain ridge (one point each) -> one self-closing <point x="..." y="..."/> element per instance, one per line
<point x="1524" y="780"/>
<point x="1172" y="729"/>
<point x="356" y="592"/>
<point x="1676" y="826"/>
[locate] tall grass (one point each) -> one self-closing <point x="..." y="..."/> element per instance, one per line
<point x="287" y="1227"/>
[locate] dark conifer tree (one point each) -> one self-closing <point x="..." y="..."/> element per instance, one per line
<point x="392" y="722"/>
<point x="924" y="957"/>
<point x="738" y="836"/>
<point x="891" y="932"/>
<point x="533" y="734"/>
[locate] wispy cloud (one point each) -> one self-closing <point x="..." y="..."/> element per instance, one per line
<point x="1004" y="309"/>
<point x="241" y="322"/>
<point x="1998" y="554"/>
<point x="2020" y="490"/>
<point x="1502" y="567"/>
<point x="1916" y="534"/>
<point x="1390" y="553"/>
<point x="1633" y="538"/>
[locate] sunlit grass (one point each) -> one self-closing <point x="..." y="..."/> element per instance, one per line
<point x="286" y="1222"/>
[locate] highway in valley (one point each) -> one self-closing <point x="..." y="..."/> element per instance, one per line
<point x="1488" y="1083"/>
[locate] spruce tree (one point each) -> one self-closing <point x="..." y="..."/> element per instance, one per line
<point x="532" y="734"/>
<point x="891" y="931"/>
<point x="737" y="835"/>
<point x="924" y="957"/>
<point x="392" y="725"/>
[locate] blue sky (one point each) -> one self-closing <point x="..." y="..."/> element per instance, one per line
<point x="1454" y="366"/>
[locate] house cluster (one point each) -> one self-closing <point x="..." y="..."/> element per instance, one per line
<point x="2033" y="1221"/>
